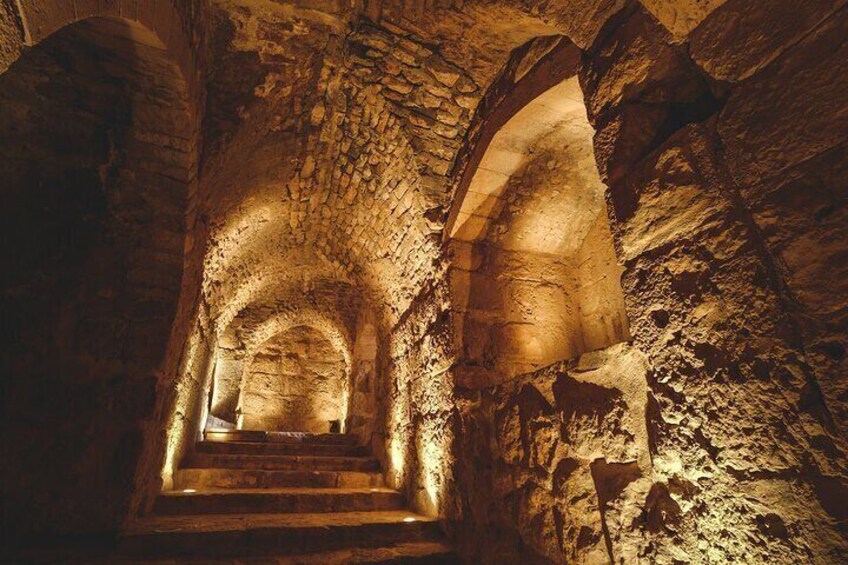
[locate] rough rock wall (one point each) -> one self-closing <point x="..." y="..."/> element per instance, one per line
<point x="706" y="302"/>
<point x="11" y="34"/>
<point x="788" y="166"/>
<point x="555" y="464"/>
<point x="416" y="432"/>
<point x="362" y="412"/>
<point x="726" y="228"/>
<point x="226" y="381"/>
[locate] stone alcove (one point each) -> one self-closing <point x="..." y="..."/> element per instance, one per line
<point x="535" y="278"/>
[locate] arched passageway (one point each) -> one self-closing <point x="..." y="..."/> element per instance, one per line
<point x="582" y="262"/>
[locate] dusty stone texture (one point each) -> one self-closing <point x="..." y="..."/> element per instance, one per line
<point x="639" y="88"/>
<point x="711" y="335"/>
<point x="509" y="23"/>
<point x="363" y="406"/>
<point x="297" y="381"/>
<point x="735" y="42"/>
<point x="415" y="438"/>
<point x="680" y="18"/>
<point x="710" y="311"/>
<point x="796" y="177"/>
<point x="11" y="34"/>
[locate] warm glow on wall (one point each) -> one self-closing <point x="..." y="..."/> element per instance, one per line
<point x="434" y="439"/>
<point x="397" y="437"/>
<point x="187" y="395"/>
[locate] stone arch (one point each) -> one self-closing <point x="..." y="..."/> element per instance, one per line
<point x="535" y="277"/>
<point x="327" y="323"/>
<point x="160" y="22"/>
<point x="238" y="344"/>
<point x="237" y="351"/>
<point x="94" y="292"/>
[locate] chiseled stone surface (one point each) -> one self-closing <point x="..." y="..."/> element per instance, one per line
<point x="11" y="34"/>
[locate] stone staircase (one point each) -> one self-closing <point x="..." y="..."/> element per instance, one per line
<point x="251" y="497"/>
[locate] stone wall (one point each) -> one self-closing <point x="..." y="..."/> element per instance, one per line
<point x="296" y="382"/>
<point x="535" y="278"/>
<point x="555" y="465"/>
<point x="339" y="143"/>
<point x="739" y="457"/>
<point x="98" y="154"/>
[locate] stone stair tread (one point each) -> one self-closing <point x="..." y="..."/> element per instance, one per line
<point x="410" y="552"/>
<point x="281" y="448"/>
<point x="233" y="436"/>
<point x="277" y="500"/>
<point x="283" y="456"/>
<point x="305" y="491"/>
<point x="270" y="461"/>
<point x="229" y="477"/>
<point x="280" y="490"/>
<point x="197" y="523"/>
<point x="391" y="554"/>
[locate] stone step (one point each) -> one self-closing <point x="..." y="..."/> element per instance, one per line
<point x="249" y="535"/>
<point x="309" y="500"/>
<point x="281" y="448"/>
<point x="412" y="553"/>
<point x="280" y="437"/>
<point x="281" y="462"/>
<point x="222" y="478"/>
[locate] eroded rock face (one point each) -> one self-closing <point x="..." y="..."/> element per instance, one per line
<point x="567" y="460"/>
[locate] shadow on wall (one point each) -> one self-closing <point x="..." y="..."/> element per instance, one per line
<point x="95" y="129"/>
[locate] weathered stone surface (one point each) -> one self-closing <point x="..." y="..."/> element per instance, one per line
<point x="711" y="271"/>
<point x="635" y="61"/>
<point x="735" y="42"/>
<point x="11" y="34"/>
<point x="680" y="17"/>
<point x="568" y="441"/>
<point x="794" y="111"/>
<point x="297" y="381"/>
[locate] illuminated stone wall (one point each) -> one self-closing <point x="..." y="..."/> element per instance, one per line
<point x="296" y="381"/>
<point x="535" y="279"/>
<point x="733" y="420"/>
